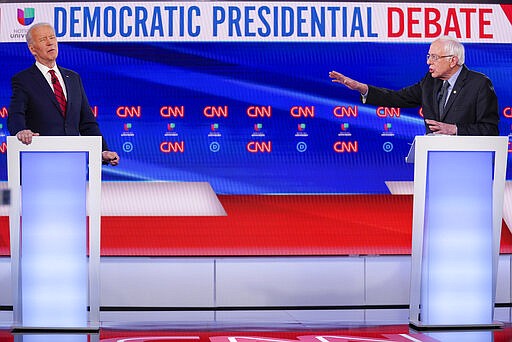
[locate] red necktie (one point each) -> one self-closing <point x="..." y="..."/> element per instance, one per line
<point x="59" y="93"/>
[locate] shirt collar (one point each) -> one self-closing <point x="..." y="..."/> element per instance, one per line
<point x="454" y="77"/>
<point x="44" y="69"/>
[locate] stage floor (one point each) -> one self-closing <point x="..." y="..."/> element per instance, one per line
<point x="314" y="327"/>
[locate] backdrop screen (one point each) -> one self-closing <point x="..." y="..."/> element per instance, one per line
<point x="238" y="94"/>
<point x="249" y="106"/>
<point x="252" y="110"/>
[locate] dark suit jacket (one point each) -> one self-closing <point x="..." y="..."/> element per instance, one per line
<point x="34" y="106"/>
<point x="472" y="105"/>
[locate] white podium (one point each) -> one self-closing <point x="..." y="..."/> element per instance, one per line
<point x="55" y="185"/>
<point x="457" y="218"/>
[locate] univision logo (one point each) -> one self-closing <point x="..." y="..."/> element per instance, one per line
<point x="26" y="16"/>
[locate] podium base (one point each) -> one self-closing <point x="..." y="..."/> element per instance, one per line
<point x="419" y="326"/>
<point x="56" y="330"/>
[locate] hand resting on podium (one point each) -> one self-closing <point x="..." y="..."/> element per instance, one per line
<point x="108" y="157"/>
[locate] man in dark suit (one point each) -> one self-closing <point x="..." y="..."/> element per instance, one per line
<point x="50" y="100"/>
<point x="454" y="99"/>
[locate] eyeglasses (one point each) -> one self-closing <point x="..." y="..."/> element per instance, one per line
<point x="436" y="57"/>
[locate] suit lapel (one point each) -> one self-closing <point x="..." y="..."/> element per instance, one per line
<point x="459" y="84"/>
<point x="66" y="78"/>
<point x="42" y="83"/>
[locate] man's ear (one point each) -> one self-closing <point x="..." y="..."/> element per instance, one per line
<point x="454" y="61"/>
<point x="31" y="48"/>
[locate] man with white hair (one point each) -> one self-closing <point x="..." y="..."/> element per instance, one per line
<point x="454" y="99"/>
<point x="50" y="100"/>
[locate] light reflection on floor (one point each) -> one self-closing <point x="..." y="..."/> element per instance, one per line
<point x="120" y="329"/>
<point x="401" y="334"/>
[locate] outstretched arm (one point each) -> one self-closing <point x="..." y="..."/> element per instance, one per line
<point x="348" y="82"/>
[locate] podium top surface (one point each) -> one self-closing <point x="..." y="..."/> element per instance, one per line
<point x="456" y="143"/>
<point x="56" y="143"/>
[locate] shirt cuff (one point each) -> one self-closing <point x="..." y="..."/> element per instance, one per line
<point x="363" y="97"/>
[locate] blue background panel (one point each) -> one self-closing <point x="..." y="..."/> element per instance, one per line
<point x="147" y="76"/>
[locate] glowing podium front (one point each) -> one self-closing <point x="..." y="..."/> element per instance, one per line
<point x="55" y="185"/>
<point x="457" y="217"/>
